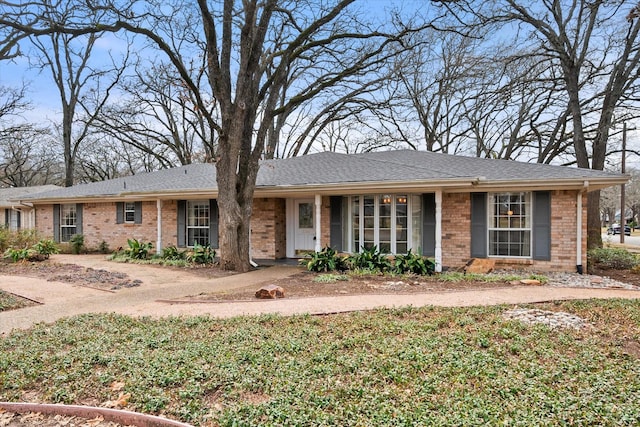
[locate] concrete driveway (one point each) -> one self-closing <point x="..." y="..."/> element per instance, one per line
<point x="60" y="300"/>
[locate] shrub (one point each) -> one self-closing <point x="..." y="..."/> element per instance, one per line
<point x="46" y="247"/>
<point x="138" y="249"/>
<point x="370" y="259"/>
<point x="16" y="255"/>
<point x="414" y="264"/>
<point x="617" y="258"/>
<point x="17" y="239"/>
<point x="325" y="260"/>
<point x="77" y="243"/>
<point x="172" y="253"/>
<point x="103" y="248"/>
<point x="201" y="254"/>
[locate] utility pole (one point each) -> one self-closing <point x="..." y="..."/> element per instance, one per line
<point x="623" y="216"/>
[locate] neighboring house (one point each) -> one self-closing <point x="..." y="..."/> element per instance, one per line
<point x="452" y="208"/>
<point x="15" y="215"/>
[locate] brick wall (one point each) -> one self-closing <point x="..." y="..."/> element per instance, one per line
<point x="456" y="239"/>
<point x="268" y="229"/>
<point x="456" y="229"/>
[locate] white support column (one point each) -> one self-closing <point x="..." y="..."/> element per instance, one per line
<point x="579" y="233"/>
<point x="438" y="248"/>
<point x="318" y="225"/>
<point x="159" y="224"/>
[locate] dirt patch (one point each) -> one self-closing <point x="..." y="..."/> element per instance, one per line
<point x="305" y="284"/>
<point x="10" y="419"/>
<point x="70" y="273"/>
<point x="625" y="276"/>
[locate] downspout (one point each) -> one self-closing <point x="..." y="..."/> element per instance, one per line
<point x="579" y="268"/>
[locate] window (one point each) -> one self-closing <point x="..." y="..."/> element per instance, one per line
<point x="12" y="219"/>
<point x="510" y="224"/>
<point x="384" y="221"/>
<point x="198" y="222"/>
<point x="305" y="215"/>
<point x="129" y="212"/>
<point x="68" y="222"/>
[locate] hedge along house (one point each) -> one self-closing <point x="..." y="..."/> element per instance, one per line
<point x="448" y="207"/>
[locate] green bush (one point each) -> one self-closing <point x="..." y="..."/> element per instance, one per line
<point x="327" y="259"/>
<point x="614" y="258"/>
<point x="370" y="259"/>
<point x="172" y="253"/>
<point x="201" y="254"/>
<point x="46" y="247"/>
<point x="413" y="264"/>
<point x="77" y="243"/>
<point x="103" y="248"/>
<point x="138" y="249"/>
<point x="17" y="239"/>
<point x="16" y="255"/>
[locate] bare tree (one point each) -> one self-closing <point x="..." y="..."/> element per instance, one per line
<point x="80" y="85"/>
<point x="25" y="154"/>
<point x="592" y="47"/>
<point x="249" y="48"/>
<point x="160" y="118"/>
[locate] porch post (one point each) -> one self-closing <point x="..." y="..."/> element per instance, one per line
<point x="318" y="225"/>
<point x="159" y="225"/>
<point x="438" y="248"/>
<point x="579" y="233"/>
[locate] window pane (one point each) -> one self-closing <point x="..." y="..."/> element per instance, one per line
<point x="509" y="233"/>
<point x="305" y="215"/>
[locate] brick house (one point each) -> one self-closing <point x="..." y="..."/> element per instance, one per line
<point x="452" y="208"/>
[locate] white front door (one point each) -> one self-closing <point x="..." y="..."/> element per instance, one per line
<point x="304" y="231"/>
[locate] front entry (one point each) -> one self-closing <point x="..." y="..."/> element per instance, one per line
<point x="300" y="227"/>
<point x="305" y="236"/>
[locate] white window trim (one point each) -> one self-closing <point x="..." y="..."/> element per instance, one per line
<point x="133" y="220"/>
<point x="490" y="196"/>
<point x="190" y="204"/>
<point x="376" y="220"/>
<point x="63" y="224"/>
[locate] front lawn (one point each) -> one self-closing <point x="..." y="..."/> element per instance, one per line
<point x="431" y="366"/>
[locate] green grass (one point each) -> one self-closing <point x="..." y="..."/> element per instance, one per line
<point x="430" y="366"/>
<point x="11" y="302"/>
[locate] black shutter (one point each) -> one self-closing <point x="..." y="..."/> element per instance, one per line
<point x="78" y="218"/>
<point x="213" y="223"/>
<point x="18" y="220"/>
<point x="137" y="214"/>
<point x="182" y="223"/>
<point x="6" y="218"/>
<point x="429" y="224"/>
<point x="478" y="225"/>
<point x="541" y="225"/>
<point x="335" y="222"/>
<point x="56" y="223"/>
<point x="119" y="212"/>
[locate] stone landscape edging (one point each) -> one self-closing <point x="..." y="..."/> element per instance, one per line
<point x="115" y="415"/>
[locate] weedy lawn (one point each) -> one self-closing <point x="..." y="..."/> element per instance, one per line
<point x="431" y="366"/>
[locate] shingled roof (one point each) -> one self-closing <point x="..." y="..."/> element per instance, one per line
<point x="330" y="171"/>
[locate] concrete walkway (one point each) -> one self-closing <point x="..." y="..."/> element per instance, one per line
<point x="62" y="299"/>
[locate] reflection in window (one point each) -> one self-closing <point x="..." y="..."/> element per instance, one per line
<point x="510" y="224"/>
<point x="383" y="221"/>
<point x="198" y="222"/>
